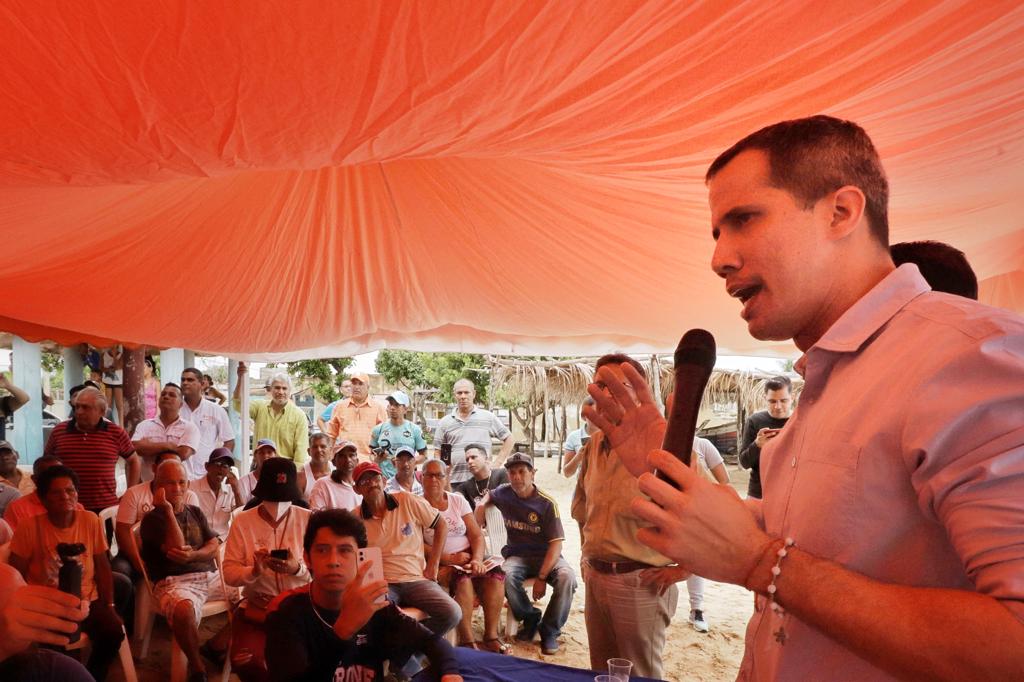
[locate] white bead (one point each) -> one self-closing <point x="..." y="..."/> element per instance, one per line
<point x="782" y="553"/>
<point x="771" y="589"/>
<point x="790" y="542"/>
<point x="776" y="570"/>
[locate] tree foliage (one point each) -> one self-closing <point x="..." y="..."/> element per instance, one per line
<point x="438" y="371"/>
<point x="324" y="376"/>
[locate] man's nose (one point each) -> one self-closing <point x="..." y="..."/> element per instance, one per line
<point x="724" y="259"/>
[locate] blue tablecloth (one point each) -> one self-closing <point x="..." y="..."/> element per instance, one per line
<point x="483" y="666"/>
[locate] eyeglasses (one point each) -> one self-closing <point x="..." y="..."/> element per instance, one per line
<point x="433" y="475"/>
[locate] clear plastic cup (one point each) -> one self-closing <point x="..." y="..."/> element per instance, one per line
<point x="619" y="668"/>
<point x="604" y="678"/>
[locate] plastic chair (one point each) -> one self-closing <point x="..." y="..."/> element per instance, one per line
<point x="146" y="617"/>
<point x="497" y="538"/>
<point x="109" y="515"/>
<point x="124" y="652"/>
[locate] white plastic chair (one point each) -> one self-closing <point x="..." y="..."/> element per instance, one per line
<point x="110" y="515"/>
<point x="146" y="616"/>
<point x="497" y="538"/>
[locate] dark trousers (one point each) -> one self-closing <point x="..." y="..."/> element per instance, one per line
<point x="105" y="635"/>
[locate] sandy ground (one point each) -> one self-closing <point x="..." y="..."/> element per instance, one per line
<point x="689" y="655"/>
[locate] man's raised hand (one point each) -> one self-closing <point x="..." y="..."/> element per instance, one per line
<point x="632" y="427"/>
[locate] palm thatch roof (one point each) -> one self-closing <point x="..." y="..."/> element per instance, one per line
<point x="566" y="381"/>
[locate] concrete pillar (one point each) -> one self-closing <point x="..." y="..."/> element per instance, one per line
<point x="134" y="398"/>
<point x="241" y="426"/>
<point x="26" y="366"/>
<point x="172" y="361"/>
<point x="190" y="360"/>
<point x="74" y="374"/>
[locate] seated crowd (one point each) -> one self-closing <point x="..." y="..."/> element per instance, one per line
<point x="279" y="545"/>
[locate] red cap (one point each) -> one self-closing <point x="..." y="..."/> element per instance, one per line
<point x="364" y="468"/>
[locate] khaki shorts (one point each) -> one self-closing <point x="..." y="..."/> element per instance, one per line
<point x="195" y="588"/>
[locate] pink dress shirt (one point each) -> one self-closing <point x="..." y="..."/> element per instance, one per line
<point x="904" y="462"/>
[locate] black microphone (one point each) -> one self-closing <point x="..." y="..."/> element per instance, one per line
<point x="694" y="360"/>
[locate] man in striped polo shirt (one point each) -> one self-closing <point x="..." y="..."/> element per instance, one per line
<point x="91" y="446"/>
<point x="466" y="425"/>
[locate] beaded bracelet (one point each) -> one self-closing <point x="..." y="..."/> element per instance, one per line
<point x="776" y="572"/>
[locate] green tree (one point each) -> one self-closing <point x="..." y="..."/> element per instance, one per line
<point x="439" y="371"/>
<point x="324" y="376"/>
<point x="402" y="368"/>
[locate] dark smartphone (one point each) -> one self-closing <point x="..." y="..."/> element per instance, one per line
<point x="280" y="553"/>
<point x="446" y="453"/>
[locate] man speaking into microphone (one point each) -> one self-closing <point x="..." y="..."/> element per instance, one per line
<point x="890" y="540"/>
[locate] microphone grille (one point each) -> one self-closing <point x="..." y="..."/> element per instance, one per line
<point x="697" y="347"/>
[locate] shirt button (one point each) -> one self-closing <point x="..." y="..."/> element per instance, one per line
<point x="794" y="463"/>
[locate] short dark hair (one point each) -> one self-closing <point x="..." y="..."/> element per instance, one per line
<point x="340" y="521"/>
<point x="810" y="157"/>
<point x="47" y="478"/>
<point x="944" y="267"/>
<point x="477" y="446"/>
<point x="619" y="359"/>
<point x="208" y="378"/>
<point x="319" y="434"/>
<point x="75" y="390"/>
<point x="173" y="385"/>
<point x="44" y="462"/>
<point x="196" y="372"/>
<point x="778" y="383"/>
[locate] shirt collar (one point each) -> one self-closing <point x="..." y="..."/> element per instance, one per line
<point x="390" y="502"/>
<point x="72" y="427"/>
<point x="870" y="313"/>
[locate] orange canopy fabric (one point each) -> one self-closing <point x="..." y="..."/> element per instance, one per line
<point x="292" y="179"/>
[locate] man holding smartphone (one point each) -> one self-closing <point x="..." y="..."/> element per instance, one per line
<point x="762" y="426"/>
<point x="340" y="626"/>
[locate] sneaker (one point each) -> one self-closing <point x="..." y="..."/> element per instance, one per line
<point x="549" y="645"/>
<point x="697" y="620"/>
<point x="529" y="629"/>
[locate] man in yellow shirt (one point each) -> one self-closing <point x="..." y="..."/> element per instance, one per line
<point x="277" y="419"/>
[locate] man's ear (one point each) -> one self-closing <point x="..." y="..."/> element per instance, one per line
<point x="846" y="205"/>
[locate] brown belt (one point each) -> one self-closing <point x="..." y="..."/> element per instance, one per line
<point x="617" y="567"/>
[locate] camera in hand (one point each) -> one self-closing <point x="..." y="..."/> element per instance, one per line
<point x="69" y="577"/>
<point x="282" y="554"/>
<point x="383" y="447"/>
<point x="446" y="453"/>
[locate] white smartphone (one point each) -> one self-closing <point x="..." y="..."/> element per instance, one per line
<point x="376" y="571"/>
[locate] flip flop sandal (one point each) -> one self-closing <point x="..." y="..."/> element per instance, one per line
<point x="497" y="646"/>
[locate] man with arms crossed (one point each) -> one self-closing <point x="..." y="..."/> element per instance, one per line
<point x="211" y="419"/>
<point x="911" y="512"/>
<point x="167" y="430"/>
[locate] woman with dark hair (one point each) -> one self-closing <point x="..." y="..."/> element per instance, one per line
<point x="150" y="387"/>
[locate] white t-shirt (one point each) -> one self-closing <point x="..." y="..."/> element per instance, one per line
<point x="707" y="452"/>
<point x="456" y="540"/>
<point x="214" y="428"/>
<point x="330" y="495"/>
<point x="137" y="501"/>
<point x="246" y="484"/>
<point x="179" y="432"/>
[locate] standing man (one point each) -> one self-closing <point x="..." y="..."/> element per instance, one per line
<point x="631" y="593"/>
<point x="534" y="550"/>
<point x="338" y="491"/>
<point x="319" y="464"/>
<point x="387" y="437"/>
<point x="484" y="478"/>
<point x="166" y="431"/>
<point x="763" y="426"/>
<point x="91" y="446"/>
<point x="211" y="419"/>
<point x="325" y="416"/>
<point x="468" y="424"/>
<point x="353" y="418"/>
<point x="574" y="443"/>
<point x="277" y="419"/>
<point x="912" y="509"/>
<point x="218" y="492"/>
<point x="9" y="403"/>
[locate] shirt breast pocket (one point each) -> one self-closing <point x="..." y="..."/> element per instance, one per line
<point x="825" y="499"/>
